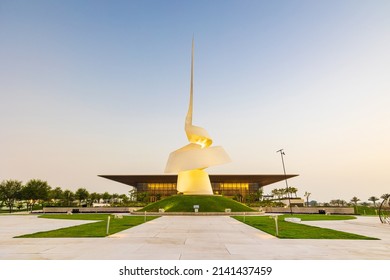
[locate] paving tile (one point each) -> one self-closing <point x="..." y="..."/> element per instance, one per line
<point x="191" y="238"/>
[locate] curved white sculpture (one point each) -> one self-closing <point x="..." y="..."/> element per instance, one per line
<point x="191" y="160"/>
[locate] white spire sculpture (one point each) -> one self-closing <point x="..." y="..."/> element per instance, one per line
<point x="191" y="160"/>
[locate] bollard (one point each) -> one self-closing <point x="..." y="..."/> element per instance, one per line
<point x="108" y="225"/>
<point x="276" y="226"/>
<point x="145" y="217"/>
<point x="275" y="217"/>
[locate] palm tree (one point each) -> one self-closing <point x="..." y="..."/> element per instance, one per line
<point x="276" y="193"/>
<point x="385" y="196"/>
<point x="293" y="190"/>
<point x="307" y="195"/>
<point x="373" y="199"/>
<point x="282" y="192"/>
<point x="355" y="200"/>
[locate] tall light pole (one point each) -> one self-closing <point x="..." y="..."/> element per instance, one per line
<point x="285" y="178"/>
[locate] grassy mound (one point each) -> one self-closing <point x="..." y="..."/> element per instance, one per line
<point x="300" y="231"/>
<point x="97" y="229"/>
<point x="207" y="203"/>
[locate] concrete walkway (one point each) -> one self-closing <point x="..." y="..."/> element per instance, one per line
<point x="184" y="237"/>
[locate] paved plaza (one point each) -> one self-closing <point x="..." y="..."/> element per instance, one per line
<point x="190" y="238"/>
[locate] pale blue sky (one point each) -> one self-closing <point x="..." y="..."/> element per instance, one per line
<point x="101" y="87"/>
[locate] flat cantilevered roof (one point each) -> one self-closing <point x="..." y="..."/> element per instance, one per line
<point x="262" y="180"/>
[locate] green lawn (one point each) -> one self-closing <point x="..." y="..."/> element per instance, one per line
<point x="95" y="229"/>
<point x="207" y="203"/>
<point x="290" y="230"/>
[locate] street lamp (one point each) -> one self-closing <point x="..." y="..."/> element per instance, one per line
<point x="285" y="177"/>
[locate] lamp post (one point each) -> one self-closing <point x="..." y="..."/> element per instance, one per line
<point x="285" y="178"/>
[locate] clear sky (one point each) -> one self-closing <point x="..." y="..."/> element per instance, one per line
<point x="102" y="87"/>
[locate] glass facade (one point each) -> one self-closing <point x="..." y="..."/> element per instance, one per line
<point x="238" y="190"/>
<point x="157" y="190"/>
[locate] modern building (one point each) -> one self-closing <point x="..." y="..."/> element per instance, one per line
<point x="187" y="167"/>
<point x="239" y="186"/>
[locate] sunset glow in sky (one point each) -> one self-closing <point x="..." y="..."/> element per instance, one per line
<point x="102" y="87"/>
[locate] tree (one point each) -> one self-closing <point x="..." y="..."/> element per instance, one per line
<point x="114" y="198"/>
<point x="355" y="200"/>
<point x="252" y="197"/>
<point x="283" y="192"/>
<point x="10" y="192"/>
<point x="260" y="192"/>
<point x="106" y="197"/>
<point x="99" y="196"/>
<point x="385" y="196"/>
<point x="133" y="194"/>
<point x="94" y="198"/>
<point x="333" y="202"/>
<point x="307" y="195"/>
<point x="293" y="190"/>
<point x="145" y="196"/>
<point x="313" y="203"/>
<point x="34" y="191"/>
<point x="56" y="194"/>
<point x="68" y="197"/>
<point x="338" y="202"/>
<point x="277" y="192"/>
<point x="124" y="199"/>
<point x="81" y="195"/>
<point x="373" y="199"/>
<point x="255" y="196"/>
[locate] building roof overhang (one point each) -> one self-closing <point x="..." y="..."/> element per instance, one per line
<point x="262" y="180"/>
